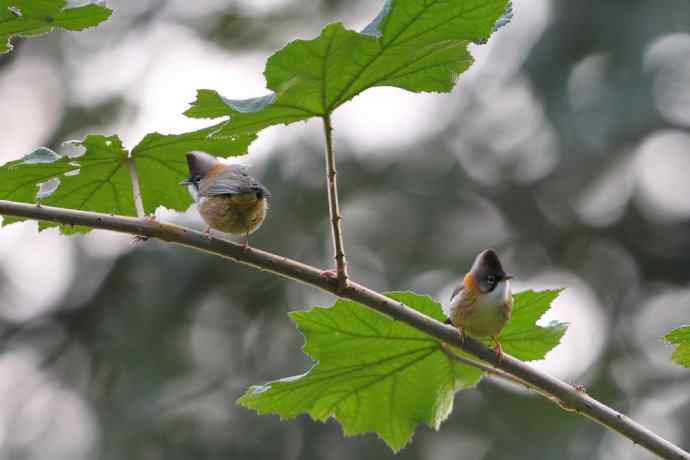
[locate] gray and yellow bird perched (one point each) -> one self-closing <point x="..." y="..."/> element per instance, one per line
<point x="483" y="302"/>
<point x="229" y="200"/>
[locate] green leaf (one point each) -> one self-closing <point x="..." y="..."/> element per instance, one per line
<point x="94" y="181"/>
<point x="99" y="180"/>
<point x="681" y="338"/>
<point x="413" y="45"/>
<point x="521" y="337"/>
<point x="373" y="374"/>
<point x="29" y="18"/>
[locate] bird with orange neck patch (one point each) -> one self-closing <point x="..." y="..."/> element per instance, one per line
<point x="483" y="302"/>
<point x="229" y="200"/>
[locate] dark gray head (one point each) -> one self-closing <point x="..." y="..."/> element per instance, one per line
<point x="200" y="164"/>
<point x="487" y="271"/>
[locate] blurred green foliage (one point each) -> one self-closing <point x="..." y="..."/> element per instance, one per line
<point x="681" y="338"/>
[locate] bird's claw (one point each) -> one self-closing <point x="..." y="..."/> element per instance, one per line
<point x="331" y="274"/>
<point x="463" y="334"/>
<point x="580" y="388"/>
<point x="498" y="349"/>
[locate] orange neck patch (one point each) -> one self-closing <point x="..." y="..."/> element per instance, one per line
<point x="470" y="283"/>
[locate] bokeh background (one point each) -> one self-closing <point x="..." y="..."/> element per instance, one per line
<point x="566" y="147"/>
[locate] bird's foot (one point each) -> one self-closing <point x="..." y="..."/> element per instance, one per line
<point x="332" y="273"/>
<point x="498" y="349"/>
<point x="580" y="388"/>
<point x="463" y="334"/>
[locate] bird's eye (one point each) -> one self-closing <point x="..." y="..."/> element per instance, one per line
<point x="491" y="279"/>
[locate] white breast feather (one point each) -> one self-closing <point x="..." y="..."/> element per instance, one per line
<point x="487" y="306"/>
<point x="193" y="191"/>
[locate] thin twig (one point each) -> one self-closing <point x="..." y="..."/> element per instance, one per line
<point x="136" y="188"/>
<point x="558" y="390"/>
<point x="334" y="206"/>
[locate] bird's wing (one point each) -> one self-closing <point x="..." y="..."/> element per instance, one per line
<point x="447" y="310"/>
<point x="230" y="181"/>
<point x="457" y="291"/>
<point x="462" y="299"/>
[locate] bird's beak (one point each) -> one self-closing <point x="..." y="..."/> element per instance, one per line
<point x="185" y="182"/>
<point x="508" y="277"/>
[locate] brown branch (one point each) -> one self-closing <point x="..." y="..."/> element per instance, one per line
<point x="334" y="206"/>
<point x="569" y="397"/>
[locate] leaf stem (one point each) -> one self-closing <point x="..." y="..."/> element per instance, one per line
<point x="136" y="188"/>
<point x="501" y="374"/>
<point x="555" y="389"/>
<point x="334" y="206"/>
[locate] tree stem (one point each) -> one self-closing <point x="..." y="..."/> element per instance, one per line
<point x="556" y="390"/>
<point x="334" y="206"/>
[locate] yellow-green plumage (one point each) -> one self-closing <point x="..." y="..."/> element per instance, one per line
<point x="236" y="214"/>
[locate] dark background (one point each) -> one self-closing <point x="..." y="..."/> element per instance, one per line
<point x="566" y="147"/>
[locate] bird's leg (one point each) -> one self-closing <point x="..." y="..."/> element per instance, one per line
<point x="498" y="349"/>
<point x="461" y="331"/>
<point x="207" y="232"/>
<point x="245" y="245"/>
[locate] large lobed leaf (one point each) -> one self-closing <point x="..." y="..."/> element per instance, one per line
<point x="374" y="374"/>
<point x="413" y="45"/>
<point x="99" y="179"/>
<point x="95" y="181"/>
<point x="521" y="337"/>
<point x="28" y="18"/>
<point x="681" y="338"/>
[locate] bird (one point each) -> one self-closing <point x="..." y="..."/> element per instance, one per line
<point x="482" y="303"/>
<point x="228" y="199"/>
